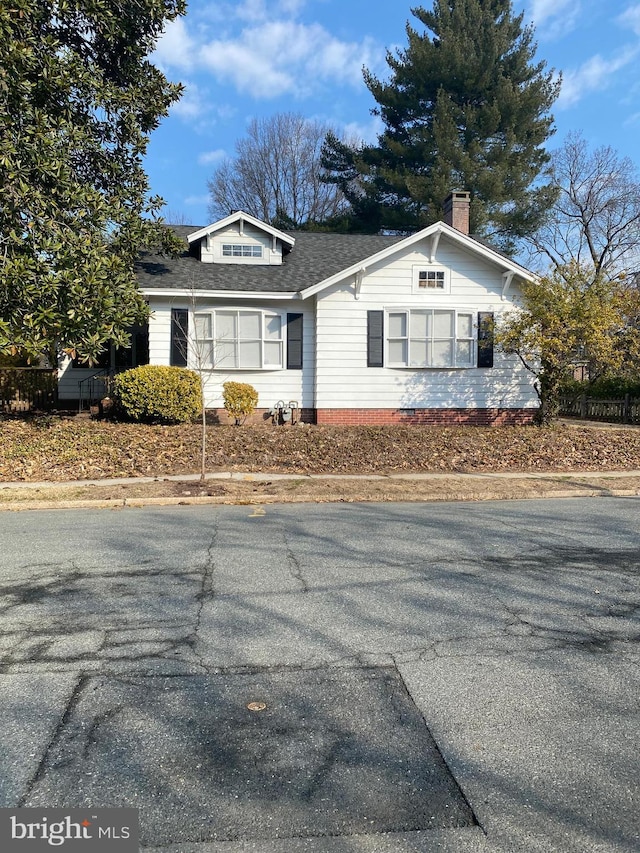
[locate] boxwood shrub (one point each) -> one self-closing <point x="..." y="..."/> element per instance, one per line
<point x="157" y="393"/>
<point x="240" y="399"/>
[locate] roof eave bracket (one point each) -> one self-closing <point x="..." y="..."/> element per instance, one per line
<point x="507" y="278"/>
<point x="433" y="247"/>
<point x="358" y="282"/>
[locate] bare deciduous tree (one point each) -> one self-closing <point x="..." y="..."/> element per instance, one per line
<point x="174" y="216"/>
<point x="596" y="219"/>
<point x="276" y="174"/>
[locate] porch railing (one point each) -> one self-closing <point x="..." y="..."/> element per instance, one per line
<point x="24" y="389"/>
<point x="94" y="388"/>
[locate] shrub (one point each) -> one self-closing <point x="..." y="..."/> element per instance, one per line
<point x="156" y="393"/>
<point x="604" y="388"/>
<point x="240" y="399"/>
<point x="614" y="388"/>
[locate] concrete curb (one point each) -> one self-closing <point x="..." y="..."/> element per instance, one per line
<point x="211" y="500"/>
<point x="262" y="476"/>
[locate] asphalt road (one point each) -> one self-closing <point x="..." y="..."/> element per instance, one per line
<point x="451" y="677"/>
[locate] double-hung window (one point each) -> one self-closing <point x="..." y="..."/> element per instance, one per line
<point x="430" y="337"/>
<point x="239" y="339"/>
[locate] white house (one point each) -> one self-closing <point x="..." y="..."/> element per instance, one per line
<point x="353" y="328"/>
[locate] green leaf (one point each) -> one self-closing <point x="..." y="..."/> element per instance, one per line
<point x="75" y="115"/>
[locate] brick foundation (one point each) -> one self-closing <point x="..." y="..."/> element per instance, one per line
<point x="260" y="416"/>
<point x="360" y="417"/>
<point x="429" y="417"/>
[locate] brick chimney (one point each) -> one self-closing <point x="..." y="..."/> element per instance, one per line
<point x="456" y="210"/>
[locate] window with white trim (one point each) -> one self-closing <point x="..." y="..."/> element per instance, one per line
<point x="241" y="250"/>
<point x="430" y="279"/>
<point x="430" y="337"/>
<point x="229" y="339"/>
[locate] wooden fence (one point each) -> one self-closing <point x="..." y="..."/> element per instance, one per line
<point x="23" y="389"/>
<point x="624" y="411"/>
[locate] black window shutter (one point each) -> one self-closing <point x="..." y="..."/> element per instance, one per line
<point x="179" y="337"/>
<point x="375" y="338"/>
<point x="294" y="341"/>
<point x="485" y="338"/>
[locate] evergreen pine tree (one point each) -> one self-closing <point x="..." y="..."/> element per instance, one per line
<point x="467" y="108"/>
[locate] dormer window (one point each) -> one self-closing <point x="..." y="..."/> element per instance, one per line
<point x="241" y="250"/>
<point x="241" y="239"/>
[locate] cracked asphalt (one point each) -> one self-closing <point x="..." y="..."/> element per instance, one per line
<point x="450" y="677"/>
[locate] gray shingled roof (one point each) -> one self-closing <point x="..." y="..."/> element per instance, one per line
<point x="315" y="257"/>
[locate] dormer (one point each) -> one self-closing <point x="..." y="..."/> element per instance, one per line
<point x="240" y="239"/>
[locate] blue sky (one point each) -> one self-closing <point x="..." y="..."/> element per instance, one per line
<point x="254" y="58"/>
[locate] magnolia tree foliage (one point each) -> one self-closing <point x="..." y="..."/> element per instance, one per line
<point x="571" y="316"/>
<point x="466" y="107"/>
<point x="78" y="100"/>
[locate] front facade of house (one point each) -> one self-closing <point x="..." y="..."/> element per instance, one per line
<point x="352" y="328"/>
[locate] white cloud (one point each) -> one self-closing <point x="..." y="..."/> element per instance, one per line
<point x="285" y="57"/>
<point x="246" y="69"/>
<point x="367" y="133"/>
<point x="192" y="104"/>
<point x="343" y="61"/>
<point x="252" y="10"/>
<point x="175" y="47"/>
<point x="594" y="75"/>
<point x="630" y="18"/>
<point x="291" y="7"/>
<point x="196" y="200"/>
<point x="543" y="9"/>
<point x="273" y="55"/>
<point x="555" y="18"/>
<point x="209" y="157"/>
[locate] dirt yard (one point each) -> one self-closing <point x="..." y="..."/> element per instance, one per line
<point x="320" y="463"/>
<point x="61" y="449"/>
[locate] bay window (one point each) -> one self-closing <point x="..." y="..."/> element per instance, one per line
<point x="229" y="339"/>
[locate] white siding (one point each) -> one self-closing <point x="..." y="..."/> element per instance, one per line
<point x="69" y="378"/>
<point x="343" y="378"/>
<point x="160" y="329"/>
<point x="271" y="385"/>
